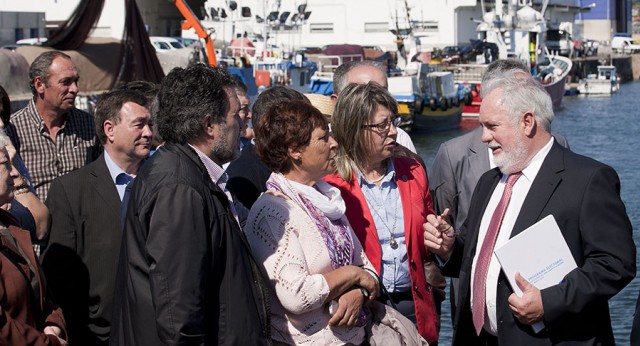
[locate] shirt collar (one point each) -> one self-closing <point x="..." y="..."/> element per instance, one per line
<point x="36" y="118"/>
<point x="534" y="166"/>
<point x="389" y="177"/>
<point x="216" y="172"/>
<point x="114" y="169"/>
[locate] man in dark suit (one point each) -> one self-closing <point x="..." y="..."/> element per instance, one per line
<point x="248" y="175"/>
<point x="461" y="161"/>
<point x="80" y="262"/>
<point x="583" y="195"/>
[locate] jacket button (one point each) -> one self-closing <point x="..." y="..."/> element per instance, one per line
<point x="413" y="264"/>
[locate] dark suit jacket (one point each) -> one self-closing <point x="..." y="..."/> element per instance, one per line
<point x="584" y="197"/>
<point x="81" y="259"/>
<point x="186" y="274"/>
<point x="247" y="176"/>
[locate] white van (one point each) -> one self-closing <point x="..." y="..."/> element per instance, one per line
<point x="624" y="45"/>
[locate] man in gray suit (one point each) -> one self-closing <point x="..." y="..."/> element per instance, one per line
<point x="81" y="260"/>
<point x="461" y="161"/>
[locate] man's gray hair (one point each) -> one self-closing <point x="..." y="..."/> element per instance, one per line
<point x="186" y="96"/>
<point x="40" y="68"/>
<point x="340" y="80"/>
<point x="521" y="93"/>
<point x="499" y="66"/>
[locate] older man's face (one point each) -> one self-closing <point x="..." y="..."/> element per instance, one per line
<point x="506" y="140"/>
<point x="60" y="90"/>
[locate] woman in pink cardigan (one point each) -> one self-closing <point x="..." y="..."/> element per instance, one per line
<point x="387" y="199"/>
<point x="298" y="232"/>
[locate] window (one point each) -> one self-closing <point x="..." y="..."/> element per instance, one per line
<point x="19" y="34"/>
<point x="426" y="26"/>
<point x="33" y="32"/>
<point x="321" y="28"/>
<point x="376" y="27"/>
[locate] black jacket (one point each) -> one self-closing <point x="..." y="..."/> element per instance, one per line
<point x="583" y="195"/>
<point x="248" y="176"/>
<point x="186" y="274"/>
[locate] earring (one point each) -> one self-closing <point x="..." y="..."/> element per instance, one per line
<point x="299" y="160"/>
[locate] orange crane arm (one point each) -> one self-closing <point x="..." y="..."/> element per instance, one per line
<point x="191" y="21"/>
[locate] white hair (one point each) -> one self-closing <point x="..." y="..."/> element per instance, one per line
<point x="521" y="93"/>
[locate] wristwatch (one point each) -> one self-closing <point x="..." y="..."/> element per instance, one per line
<point x="23" y="187"/>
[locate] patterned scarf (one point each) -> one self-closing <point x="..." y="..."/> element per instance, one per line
<point x="325" y="206"/>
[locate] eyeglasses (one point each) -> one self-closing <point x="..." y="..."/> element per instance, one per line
<point x="385" y="125"/>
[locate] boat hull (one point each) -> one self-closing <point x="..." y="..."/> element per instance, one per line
<point x="556" y="91"/>
<point x="437" y="120"/>
<point x="597" y="87"/>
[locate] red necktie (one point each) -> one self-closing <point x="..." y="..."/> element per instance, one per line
<point x="484" y="258"/>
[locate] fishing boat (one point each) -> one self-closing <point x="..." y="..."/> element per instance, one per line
<point x="552" y="73"/>
<point x="604" y="82"/>
<point x="518" y="33"/>
<point x="428" y="98"/>
<point x="442" y="105"/>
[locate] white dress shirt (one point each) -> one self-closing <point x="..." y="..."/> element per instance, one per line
<point x="520" y="191"/>
<point x="404" y="139"/>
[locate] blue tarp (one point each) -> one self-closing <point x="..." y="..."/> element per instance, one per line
<point x="321" y="86"/>
<point x="246" y="76"/>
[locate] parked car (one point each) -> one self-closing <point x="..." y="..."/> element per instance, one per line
<point x="34" y="41"/>
<point x="622" y="44"/>
<point x="186" y="41"/>
<point x="165" y="44"/>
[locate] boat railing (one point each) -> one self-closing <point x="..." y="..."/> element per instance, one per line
<point x="470" y="73"/>
<point x="327" y="64"/>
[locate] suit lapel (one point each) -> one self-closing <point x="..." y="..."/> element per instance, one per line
<point x="543" y="187"/>
<point x="478" y="156"/>
<point x="102" y="183"/>
<point x="486" y="185"/>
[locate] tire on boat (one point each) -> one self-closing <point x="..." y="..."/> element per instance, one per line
<point x="456" y="101"/>
<point x="432" y="104"/>
<point x="468" y="99"/>
<point x="444" y="103"/>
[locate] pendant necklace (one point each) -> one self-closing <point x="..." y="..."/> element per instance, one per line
<point x="392" y="240"/>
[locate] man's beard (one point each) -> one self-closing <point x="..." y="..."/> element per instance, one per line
<point x="223" y="151"/>
<point x="512" y="161"/>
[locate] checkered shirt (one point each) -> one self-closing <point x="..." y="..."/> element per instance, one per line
<point x="76" y="144"/>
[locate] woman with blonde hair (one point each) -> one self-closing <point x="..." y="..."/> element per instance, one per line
<point x="387" y="200"/>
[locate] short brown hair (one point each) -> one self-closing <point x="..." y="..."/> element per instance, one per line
<point x="286" y="125"/>
<point x="40" y="67"/>
<point x="109" y="107"/>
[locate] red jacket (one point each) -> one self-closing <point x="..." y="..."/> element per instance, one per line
<point x="20" y="324"/>
<point x="411" y="179"/>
